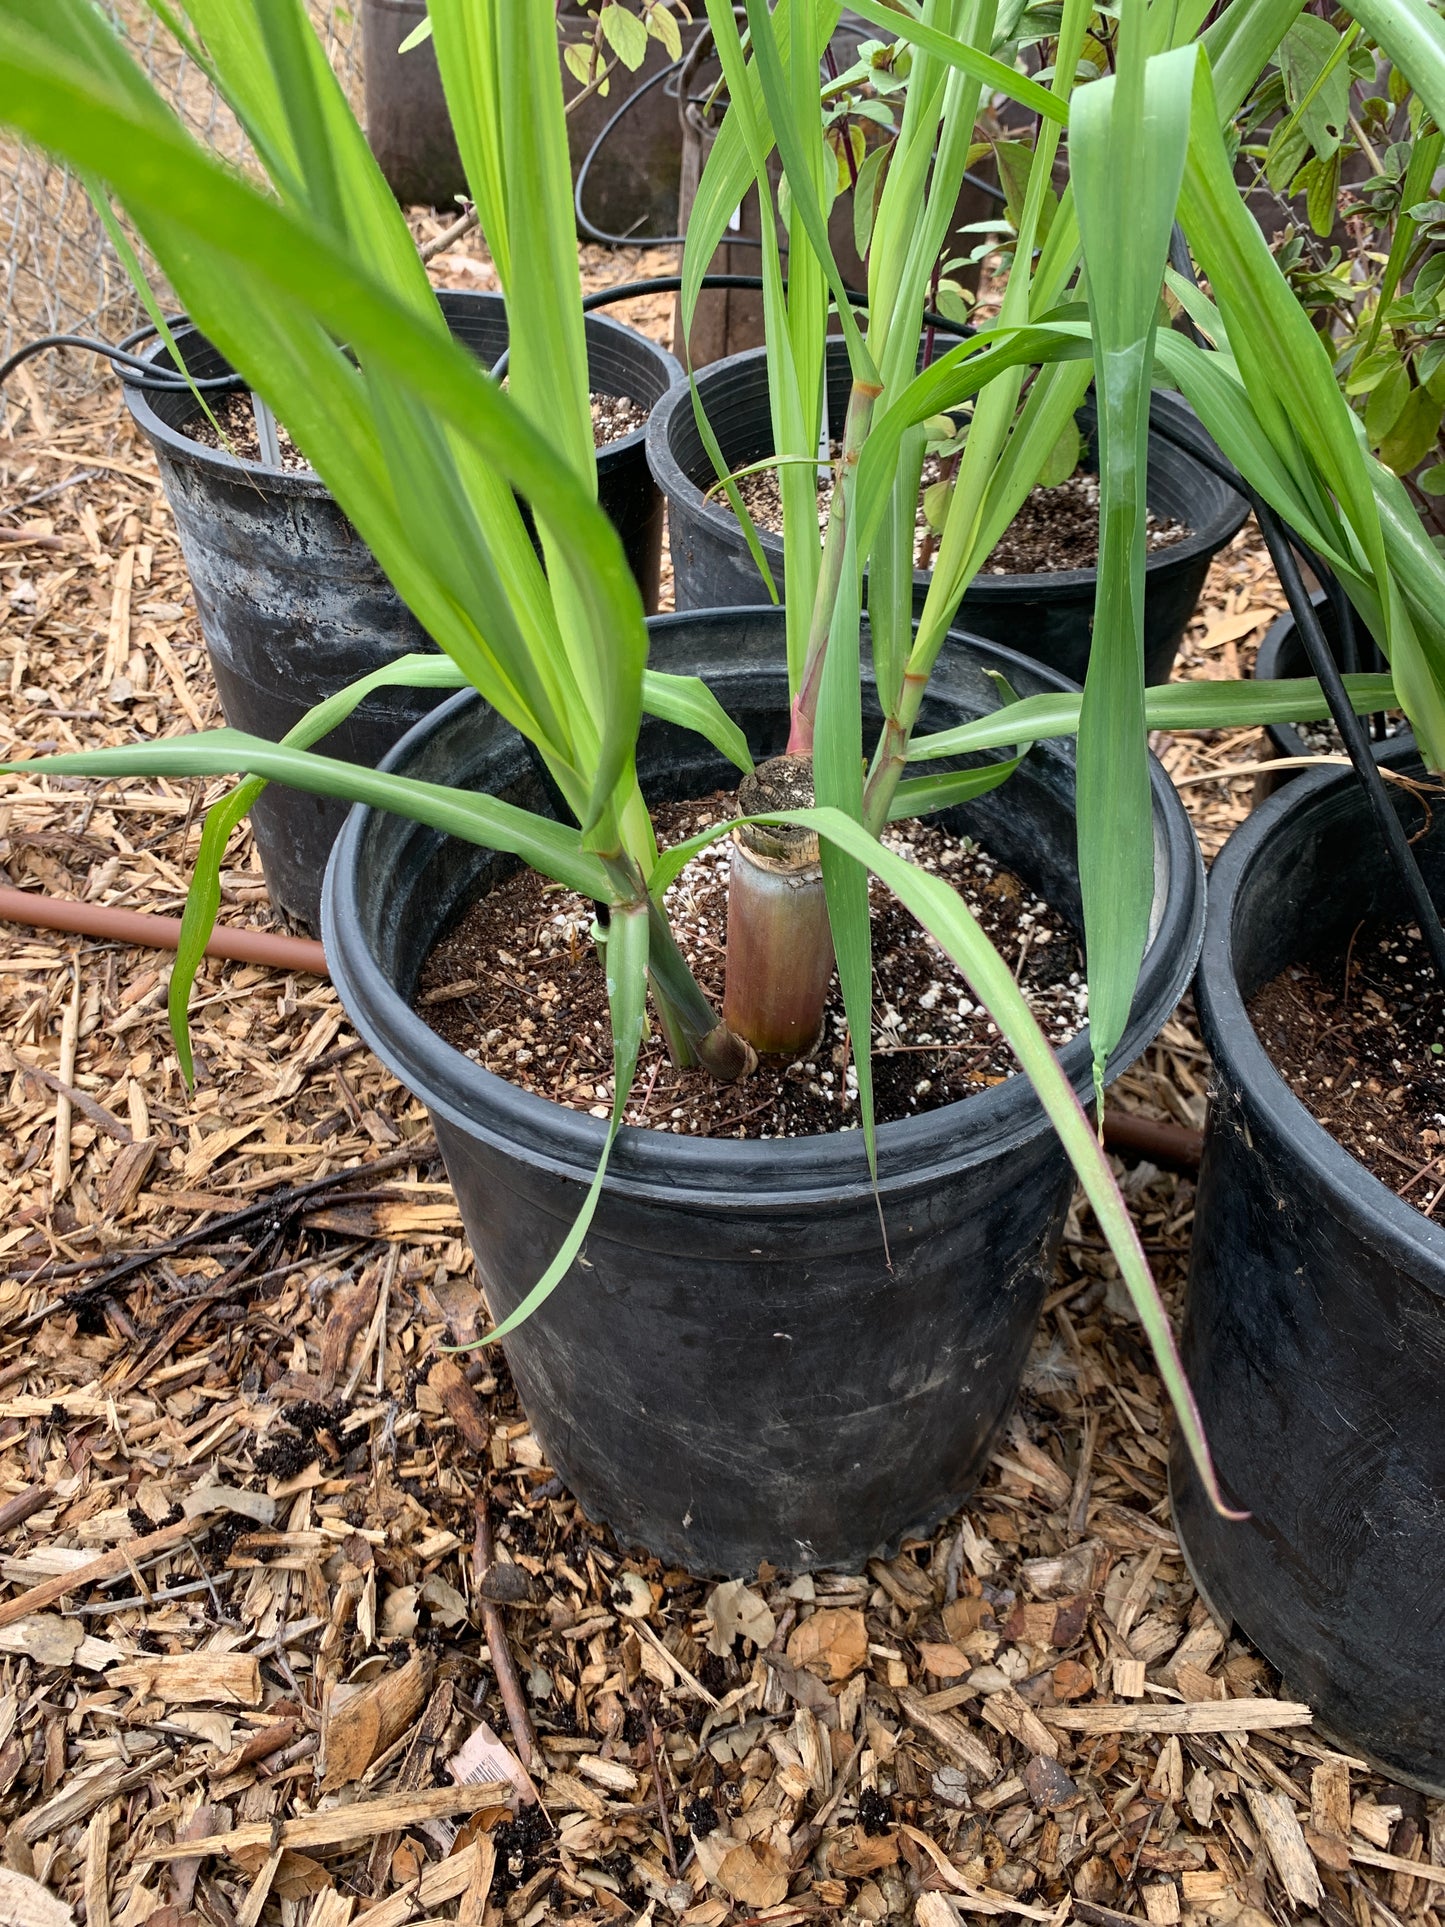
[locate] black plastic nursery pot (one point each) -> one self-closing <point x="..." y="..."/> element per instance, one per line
<point x="1046" y="616"/>
<point x="408" y="127"/>
<point x="1315" y="1323"/>
<point x="1282" y="655"/>
<point x="733" y="1372"/>
<point x="293" y="604"/>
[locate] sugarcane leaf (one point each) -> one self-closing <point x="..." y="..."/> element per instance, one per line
<point x="203" y="904"/>
<point x="203" y="899"/>
<point x="838" y="783"/>
<point x="548" y="362"/>
<point x="791" y="143"/>
<point x="1128" y="139"/>
<point x="1192" y="705"/>
<point x="955" y="377"/>
<point x="994" y="75"/>
<point x="943" y="913"/>
<point x="1412" y="34"/>
<point x="918" y="795"/>
<point x="687" y="701"/>
<point x="1240" y="42"/>
<point x="469" y="62"/>
<point x="794" y="392"/>
<point x="554" y="848"/>
<point x="1292" y="389"/>
<point x="222" y="241"/>
<point x="626" y="950"/>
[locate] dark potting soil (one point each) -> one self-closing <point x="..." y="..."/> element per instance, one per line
<point x="1056" y="528"/>
<point x="518" y="987"/>
<point x="613" y="416"/>
<point x="1359" y="1037"/>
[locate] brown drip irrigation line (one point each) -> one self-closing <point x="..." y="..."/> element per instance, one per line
<point x="148" y="932"/>
<point x="1169" y="1145"/>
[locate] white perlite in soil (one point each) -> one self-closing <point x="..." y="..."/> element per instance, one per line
<point x="524" y="962"/>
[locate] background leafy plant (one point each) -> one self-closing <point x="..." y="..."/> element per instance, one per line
<point x="1349" y="153"/>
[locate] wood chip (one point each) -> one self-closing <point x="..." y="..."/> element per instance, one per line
<point x="1284" y="1837"/>
<point x="951" y="1734"/>
<point x="363" y="1721"/>
<point x="1210" y="1716"/>
<point x="108" y="1566"/>
<point x="344" y="1826"/>
<point x="191" y="1679"/>
<point x="25" y="1903"/>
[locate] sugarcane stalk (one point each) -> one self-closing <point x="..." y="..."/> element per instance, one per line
<point x="779" y="945"/>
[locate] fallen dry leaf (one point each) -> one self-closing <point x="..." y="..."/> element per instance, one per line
<point x="942" y="1660"/>
<point x="754" y="1873"/>
<point x="733" y="1608"/>
<point x="833" y="1643"/>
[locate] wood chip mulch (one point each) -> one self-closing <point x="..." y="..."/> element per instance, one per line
<point x="298" y="1628"/>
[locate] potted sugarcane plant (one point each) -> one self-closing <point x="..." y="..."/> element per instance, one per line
<point x="1030" y="580"/>
<point x="1316" y="1302"/>
<point x="293" y="604"/>
<point x="1350" y="153"/>
<point x="794" y="1347"/>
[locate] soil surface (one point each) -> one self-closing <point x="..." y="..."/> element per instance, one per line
<point x="1323" y="739"/>
<point x="613" y="416"/>
<point x="517" y="986"/>
<point x="1359" y="1037"/>
<point x="1057" y="528"/>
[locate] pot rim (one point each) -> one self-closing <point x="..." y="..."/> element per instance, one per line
<point x="677" y="485"/>
<point x="763" y="1174"/>
<point x="181" y="447"/>
<point x="1285" y="736"/>
<point x="1240" y="1056"/>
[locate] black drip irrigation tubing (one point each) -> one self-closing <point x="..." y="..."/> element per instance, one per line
<point x="137" y="372"/>
<point x="131" y="368"/>
<point x="599" y="235"/>
<point x="672" y="284"/>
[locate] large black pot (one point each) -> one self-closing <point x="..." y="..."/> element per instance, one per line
<point x="1314" y="1333"/>
<point x="1282" y="656"/>
<point x="735" y="1373"/>
<point x="408" y="127"/>
<point x="1048" y="616"/>
<point x="293" y="604"/>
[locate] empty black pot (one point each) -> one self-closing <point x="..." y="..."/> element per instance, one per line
<point x="1314" y="1333"/>
<point x="1048" y="617"/>
<point x="1281" y="657"/>
<point x="733" y="1372"/>
<point x="293" y="604"/>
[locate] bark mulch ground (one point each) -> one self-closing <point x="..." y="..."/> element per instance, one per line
<point x="296" y="1621"/>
